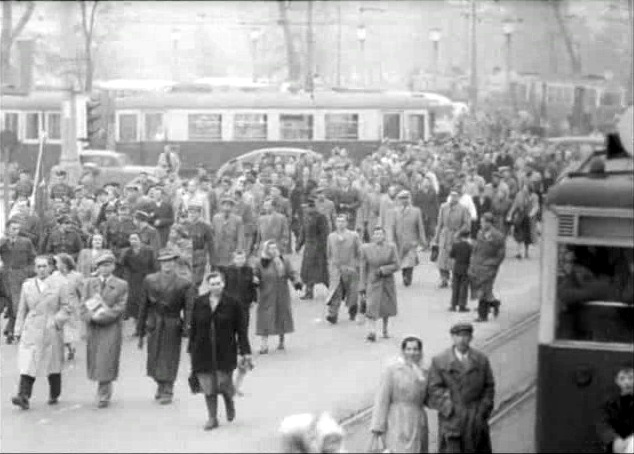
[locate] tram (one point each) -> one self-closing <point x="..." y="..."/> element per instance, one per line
<point x="586" y="332"/>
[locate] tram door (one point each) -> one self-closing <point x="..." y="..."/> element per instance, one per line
<point x="416" y="126"/>
<point x="392" y="126"/>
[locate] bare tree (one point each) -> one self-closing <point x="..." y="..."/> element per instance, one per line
<point x="573" y="54"/>
<point x="11" y="33"/>
<point x="294" y="67"/>
<point x="88" y="15"/>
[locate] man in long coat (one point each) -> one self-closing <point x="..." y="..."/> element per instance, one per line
<point x="462" y="389"/>
<point x="164" y="317"/>
<point x="104" y="301"/>
<point x="344" y="250"/>
<point x="228" y="233"/>
<point x="201" y="235"/>
<point x="379" y="262"/>
<point x="426" y="200"/>
<point x="407" y="232"/>
<point x="272" y="226"/>
<point x="486" y="258"/>
<point x="162" y="213"/>
<point x="17" y="254"/>
<point x="43" y="311"/>
<point x="314" y="238"/>
<point x="452" y="219"/>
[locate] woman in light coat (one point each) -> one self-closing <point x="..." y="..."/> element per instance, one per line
<point x="74" y="329"/>
<point x="42" y="313"/>
<point x="399" y="415"/>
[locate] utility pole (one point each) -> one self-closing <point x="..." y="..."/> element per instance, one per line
<point x="339" y="44"/>
<point x="310" y="48"/>
<point x="69" y="159"/>
<point x="474" y="59"/>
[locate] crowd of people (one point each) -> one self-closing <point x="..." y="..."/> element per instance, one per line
<point x="167" y="254"/>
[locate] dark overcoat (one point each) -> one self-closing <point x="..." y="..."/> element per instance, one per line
<point x="163" y="314"/>
<point x="163" y="218"/>
<point x="135" y="266"/>
<point x="314" y="239"/>
<point x="17" y="259"/>
<point x="274" y="314"/>
<point x="463" y="394"/>
<point x="216" y="338"/>
<point x="201" y="235"/>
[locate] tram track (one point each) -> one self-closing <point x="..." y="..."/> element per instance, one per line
<point x="513" y="356"/>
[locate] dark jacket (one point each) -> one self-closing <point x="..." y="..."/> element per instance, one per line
<point x="164" y="214"/>
<point x="224" y="330"/>
<point x="616" y="420"/>
<point x="239" y="284"/>
<point x="461" y="253"/>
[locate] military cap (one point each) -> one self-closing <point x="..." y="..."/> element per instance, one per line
<point x="194" y="205"/>
<point x="227" y="200"/>
<point x="503" y="168"/>
<point x="167" y="254"/>
<point x="404" y="194"/>
<point x="106" y="257"/>
<point x="461" y="327"/>
<point x="142" y="215"/>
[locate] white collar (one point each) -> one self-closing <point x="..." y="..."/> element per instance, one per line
<point x="461" y="356"/>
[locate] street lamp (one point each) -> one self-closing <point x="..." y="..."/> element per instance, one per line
<point x="361" y="36"/>
<point x="434" y="35"/>
<point x="508" y="28"/>
<point x="254" y="37"/>
<point x="176" y="37"/>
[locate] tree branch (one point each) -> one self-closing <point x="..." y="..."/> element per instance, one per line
<point x="30" y="6"/>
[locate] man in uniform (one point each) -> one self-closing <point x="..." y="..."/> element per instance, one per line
<point x="486" y="258"/>
<point x="314" y="237"/>
<point x="147" y="233"/>
<point x="64" y="238"/>
<point x="452" y="219"/>
<point x="228" y="232"/>
<point x="201" y="235"/>
<point x="17" y="254"/>
<point x="343" y="252"/>
<point x="462" y="389"/>
<point x="272" y="225"/>
<point x="407" y="232"/>
<point x="165" y="305"/>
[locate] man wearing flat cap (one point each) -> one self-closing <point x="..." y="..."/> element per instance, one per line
<point x="228" y="234"/>
<point x="164" y="316"/>
<point x="462" y="389"/>
<point x="407" y="232"/>
<point x="103" y="307"/>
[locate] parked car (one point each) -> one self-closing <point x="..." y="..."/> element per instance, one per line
<point x="112" y="166"/>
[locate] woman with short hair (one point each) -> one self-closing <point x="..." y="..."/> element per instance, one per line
<point x="73" y="329"/>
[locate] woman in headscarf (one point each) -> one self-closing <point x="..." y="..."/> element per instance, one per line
<point x="87" y="257"/>
<point x="399" y="416"/>
<point x="73" y="331"/>
<point x="274" y="315"/>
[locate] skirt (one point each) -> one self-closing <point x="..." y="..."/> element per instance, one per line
<point x="223" y="384"/>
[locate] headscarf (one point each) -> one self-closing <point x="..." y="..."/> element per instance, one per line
<point x="277" y="260"/>
<point x="417" y="368"/>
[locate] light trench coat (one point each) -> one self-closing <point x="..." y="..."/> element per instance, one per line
<point x="452" y="219"/>
<point x="42" y="314"/>
<point x="407" y="233"/>
<point x="380" y="290"/>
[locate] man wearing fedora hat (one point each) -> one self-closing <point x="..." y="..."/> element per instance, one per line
<point x="103" y="307"/>
<point x="407" y="232"/>
<point x="462" y="389"/>
<point x="164" y="317"/>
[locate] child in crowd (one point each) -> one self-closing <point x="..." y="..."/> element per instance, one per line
<point x="240" y="283"/>
<point x="616" y="426"/>
<point x="461" y="254"/>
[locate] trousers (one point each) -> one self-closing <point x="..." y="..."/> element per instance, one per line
<point x="347" y="290"/>
<point x="165" y="388"/>
<point x="459" y="290"/>
<point x="104" y="391"/>
<point x="54" y="385"/>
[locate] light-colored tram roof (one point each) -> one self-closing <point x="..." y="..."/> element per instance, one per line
<point x="36" y="101"/>
<point x="269" y="100"/>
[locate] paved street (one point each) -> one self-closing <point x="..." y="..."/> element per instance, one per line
<point x="324" y="368"/>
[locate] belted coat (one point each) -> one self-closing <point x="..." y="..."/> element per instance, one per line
<point x="407" y="232"/>
<point x="379" y="262"/>
<point x="228" y="234"/>
<point x="452" y="220"/>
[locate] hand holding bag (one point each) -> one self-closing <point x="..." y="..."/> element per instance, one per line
<point x="377" y="444"/>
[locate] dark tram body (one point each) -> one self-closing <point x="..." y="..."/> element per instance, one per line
<point x="587" y="308"/>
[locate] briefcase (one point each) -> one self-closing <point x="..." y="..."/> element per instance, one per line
<point x="194" y="384"/>
<point x="434" y="253"/>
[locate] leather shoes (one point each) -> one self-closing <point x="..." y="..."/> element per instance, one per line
<point x="330" y="319"/>
<point x="211" y="424"/>
<point x="103" y="404"/>
<point x="53" y="401"/>
<point x="230" y="408"/>
<point x="371" y="337"/>
<point x="21" y="402"/>
<point x="463" y="309"/>
<point x="165" y="400"/>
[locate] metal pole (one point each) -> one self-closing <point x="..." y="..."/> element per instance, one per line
<point x="508" y="62"/>
<point x="339" y="44"/>
<point x="474" y="59"/>
<point x="363" y="68"/>
<point x="310" y="48"/>
<point x="254" y="49"/>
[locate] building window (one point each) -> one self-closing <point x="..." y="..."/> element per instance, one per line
<point x="154" y="127"/>
<point x="296" y="127"/>
<point x="392" y="126"/>
<point x="54" y="126"/>
<point x="342" y="126"/>
<point x="128" y="128"/>
<point x="416" y="128"/>
<point x="11" y="122"/>
<point x="250" y="127"/>
<point x="32" y="126"/>
<point x="205" y="126"/>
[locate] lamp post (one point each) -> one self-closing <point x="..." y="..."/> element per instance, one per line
<point x="361" y="36"/>
<point x="434" y="35"/>
<point x="176" y="37"/>
<point x="254" y="36"/>
<point x="508" y="27"/>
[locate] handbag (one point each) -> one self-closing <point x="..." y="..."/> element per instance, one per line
<point x="194" y="384"/>
<point x="377" y="445"/>
<point x="434" y="253"/>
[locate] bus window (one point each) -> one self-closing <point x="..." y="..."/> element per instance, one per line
<point x="342" y="126"/>
<point x="392" y="126"/>
<point x="32" y="126"/>
<point x="154" y="127"/>
<point x="250" y="127"/>
<point x="204" y="126"/>
<point x="296" y="127"/>
<point x="595" y="294"/>
<point x="416" y="127"/>
<point x="128" y="128"/>
<point x="11" y="122"/>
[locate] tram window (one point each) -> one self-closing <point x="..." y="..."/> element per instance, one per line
<point x="595" y="294"/>
<point x="392" y="126"/>
<point x="32" y="126"/>
<point x="611" y="98"/>
<point x="204" y="126"/>
<point x="128" y="128"/>
<point x="296" y="127"/>
<point x="11" y="122"/>
<point x="54" y="126"/>
<point x="416" y="127"/>
<point x="154" y="127"/>
<point x="250" y="127"/>
<point x="342" y="126"/>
